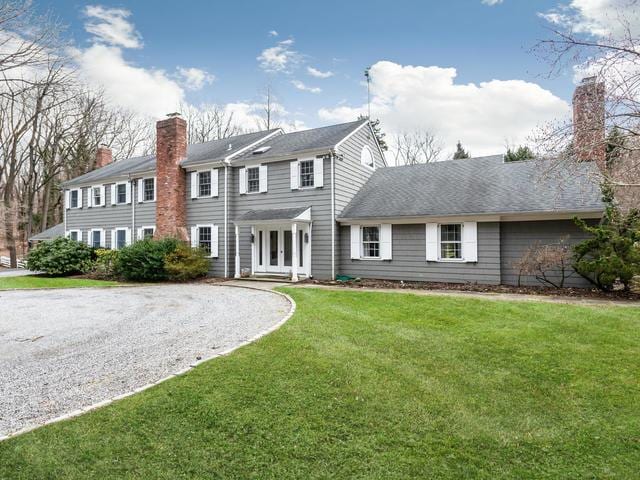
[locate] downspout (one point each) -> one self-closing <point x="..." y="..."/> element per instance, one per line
<point x="133" y="210"/>
<point x="226" y="220"/>
<point x="64" y="209"/>
<point x="333" y="217"/>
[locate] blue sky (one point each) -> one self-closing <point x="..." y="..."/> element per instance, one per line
<point x="410" y="43"/>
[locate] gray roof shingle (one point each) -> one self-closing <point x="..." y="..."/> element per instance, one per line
<point x="49" y="234"/>
<point x="272" y="214"/>
<point x="315" y="139"/>
<point x="483" y="185"/>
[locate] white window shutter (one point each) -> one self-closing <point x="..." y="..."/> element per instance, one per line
<point x="89" y="239"/>
<point x="155" y="188"/>
<point x="102" y="196"/>
<point x="386" y="248"/>
<point x="194" y="185"/>
<point x="470" y="241"/>
<point x="128" y="192"/>
<point x="194" y="237"/>
<point x="103" y="239"/>
<point x="355" y="242"/>
<point x="214" y="182"/>
<point x="242" y="175"/>
<point x="432" y="242"/>
<point x="67" y="195"/>
<point x="139" y="233"/>
<point x="295" y="174"/>
<point x="89" y="197"/>
<point x="114" y="238"/>
<point x="113" y="194"/>
<point x="263" y="178"/>
<point x="80" y="190"/>
<point x="318" y="172"/>
<point x="128" y="236"/>
<point x="140" y="191"/>
<point x="214" y="241"/>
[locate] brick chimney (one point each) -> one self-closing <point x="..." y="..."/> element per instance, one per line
<point x="103" y="156"/>
<point x="588" y="122"/>
<point x="171" y="191"/>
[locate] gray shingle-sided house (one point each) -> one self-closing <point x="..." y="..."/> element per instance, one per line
<point x="323" y="202"/>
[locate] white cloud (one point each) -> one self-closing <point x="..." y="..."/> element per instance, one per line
<point x="314" y="72"/>
<point x="301" y="86"/>
<point x="483" y="116"/>
<point x="272" y="33"/>
<point x="195" y="78"/>
<point x="279" y="58"/>
<point x="597" y="17"/>
<point x="491" y="3"/>
<point x="110" y="25"/>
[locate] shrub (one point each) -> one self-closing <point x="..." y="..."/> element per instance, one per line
<point x="144" y="260"/>
<point x="549" y="264"/>
<point x="105" y="263"/>
<point x="612" y="253"/>
<point x="60" y="257"/>
<point x="186" y="263"/>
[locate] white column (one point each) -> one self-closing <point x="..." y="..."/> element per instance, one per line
<point x="237" y="274"/>
<point x="254" y="250"/>
<point x="294" y="252"/>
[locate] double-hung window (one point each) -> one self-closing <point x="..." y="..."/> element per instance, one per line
<point x="148" y="190"/>
<point x="253" y="179"/>
<point x="204" y="183"/>
<point x="147" y="232"/>
<point x="371" y="242"/>
<point x="75" y="235"/>
<point x="204" y="239"/>
<point x="97" y="199"/>
<point x="121" y="239"/>
<point x="74" y="199"/>
<point x="306" y="173"/>
<point x="451" y="241"/>
<point x="121" y="193"/>
<point x="96" y="238"/>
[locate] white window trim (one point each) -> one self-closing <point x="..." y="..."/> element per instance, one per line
<point x="102" y="237"/>
<point x="140" y="231"/>
<point x="114" y="237"/>
<point x="79" y="206"/>
<point x="195" y="183"/>
<point x="127" y="193"/>
<point x="309" y="187"/>
<point x="246" y="180"/>
<point x="74" y="230"/>
<point x="362" y="255"/>
<point x="451" y="260"/>
<point x="195" y="238"/>
<point x="103" y="200"/>
<point x="141" y="190"/>
<point x="370" y="167"/>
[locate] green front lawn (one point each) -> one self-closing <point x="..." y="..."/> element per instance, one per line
<point x="374" y="385"/>
<point x="38" y="281"/>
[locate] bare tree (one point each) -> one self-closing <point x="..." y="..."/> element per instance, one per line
<point x="208" y="122"/>
<point x="613" y="58"/>
<point x="417" y="147"/>
<point x="271" y="109"/>
<point x="548" y="264"/>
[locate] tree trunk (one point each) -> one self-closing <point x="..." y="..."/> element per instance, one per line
<point x="9" y="226"/>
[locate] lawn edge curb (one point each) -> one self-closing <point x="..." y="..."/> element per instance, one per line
<point x="109" y="401"/>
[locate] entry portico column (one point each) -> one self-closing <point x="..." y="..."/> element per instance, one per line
<point x="294" y="252"/>
<point x="237" y="272"/>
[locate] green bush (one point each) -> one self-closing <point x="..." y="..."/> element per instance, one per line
<point x="186" y="263"/>
<point x="144" y="260"/>
<point x="612" y="253"/>
<point x="105" y="263"/>
<point x="61" y="257"/>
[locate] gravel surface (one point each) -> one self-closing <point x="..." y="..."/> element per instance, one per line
<point x="61" y="350"/>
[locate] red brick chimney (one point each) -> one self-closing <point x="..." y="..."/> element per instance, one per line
<point x="588" y="122"/>
<point x="103" y="156"/>
<point x="171" y="191"/>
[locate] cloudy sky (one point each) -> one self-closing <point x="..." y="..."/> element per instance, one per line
<point x="461" y="69"/>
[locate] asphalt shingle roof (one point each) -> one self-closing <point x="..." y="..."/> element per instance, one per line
<point x="483" y="185"/>
<point x="272" y="214"/>
<point x="50" y="233"/>
<point x="323" y="138"/>
<point x="220" y="149"/>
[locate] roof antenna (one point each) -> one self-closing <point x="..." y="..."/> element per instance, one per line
<point x="367" y="75"/>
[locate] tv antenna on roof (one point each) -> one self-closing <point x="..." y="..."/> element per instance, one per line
<point x="367" y="75"/>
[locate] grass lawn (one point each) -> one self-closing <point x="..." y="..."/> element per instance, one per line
<point x="374" y="385"/>
<point x="38" y="281"/>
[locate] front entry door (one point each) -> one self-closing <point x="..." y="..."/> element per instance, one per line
<point x="273" y="249"/>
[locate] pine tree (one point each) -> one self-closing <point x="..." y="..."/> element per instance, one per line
<point x="377" y="130"/>
<point x="519" y="154"/>
<point x="460" y="152"/>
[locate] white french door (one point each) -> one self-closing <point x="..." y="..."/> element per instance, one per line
<point x="273" y="249"/>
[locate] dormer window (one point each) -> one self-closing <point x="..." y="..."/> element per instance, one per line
<point x="366" y="157"/>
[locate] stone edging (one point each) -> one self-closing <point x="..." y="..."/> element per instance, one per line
<point x="109" y="401"/>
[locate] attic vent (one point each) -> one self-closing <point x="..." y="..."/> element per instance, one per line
<point x="260" y="150"/>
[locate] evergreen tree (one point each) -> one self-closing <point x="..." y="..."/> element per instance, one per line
<point x="519" y="154"/>
<point x="460" y="152"/>
<point x="377" y="130"/>
<point x="615" y="146"/>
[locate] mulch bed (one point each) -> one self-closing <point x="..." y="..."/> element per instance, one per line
<point x="473" y="287"/>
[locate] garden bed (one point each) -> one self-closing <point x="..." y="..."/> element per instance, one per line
<point x="474" y="287"/>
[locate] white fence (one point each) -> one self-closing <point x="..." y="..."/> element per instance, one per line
<point x="6" y="262"/>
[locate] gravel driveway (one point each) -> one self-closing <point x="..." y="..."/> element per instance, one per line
<point x="61" y="350"/>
